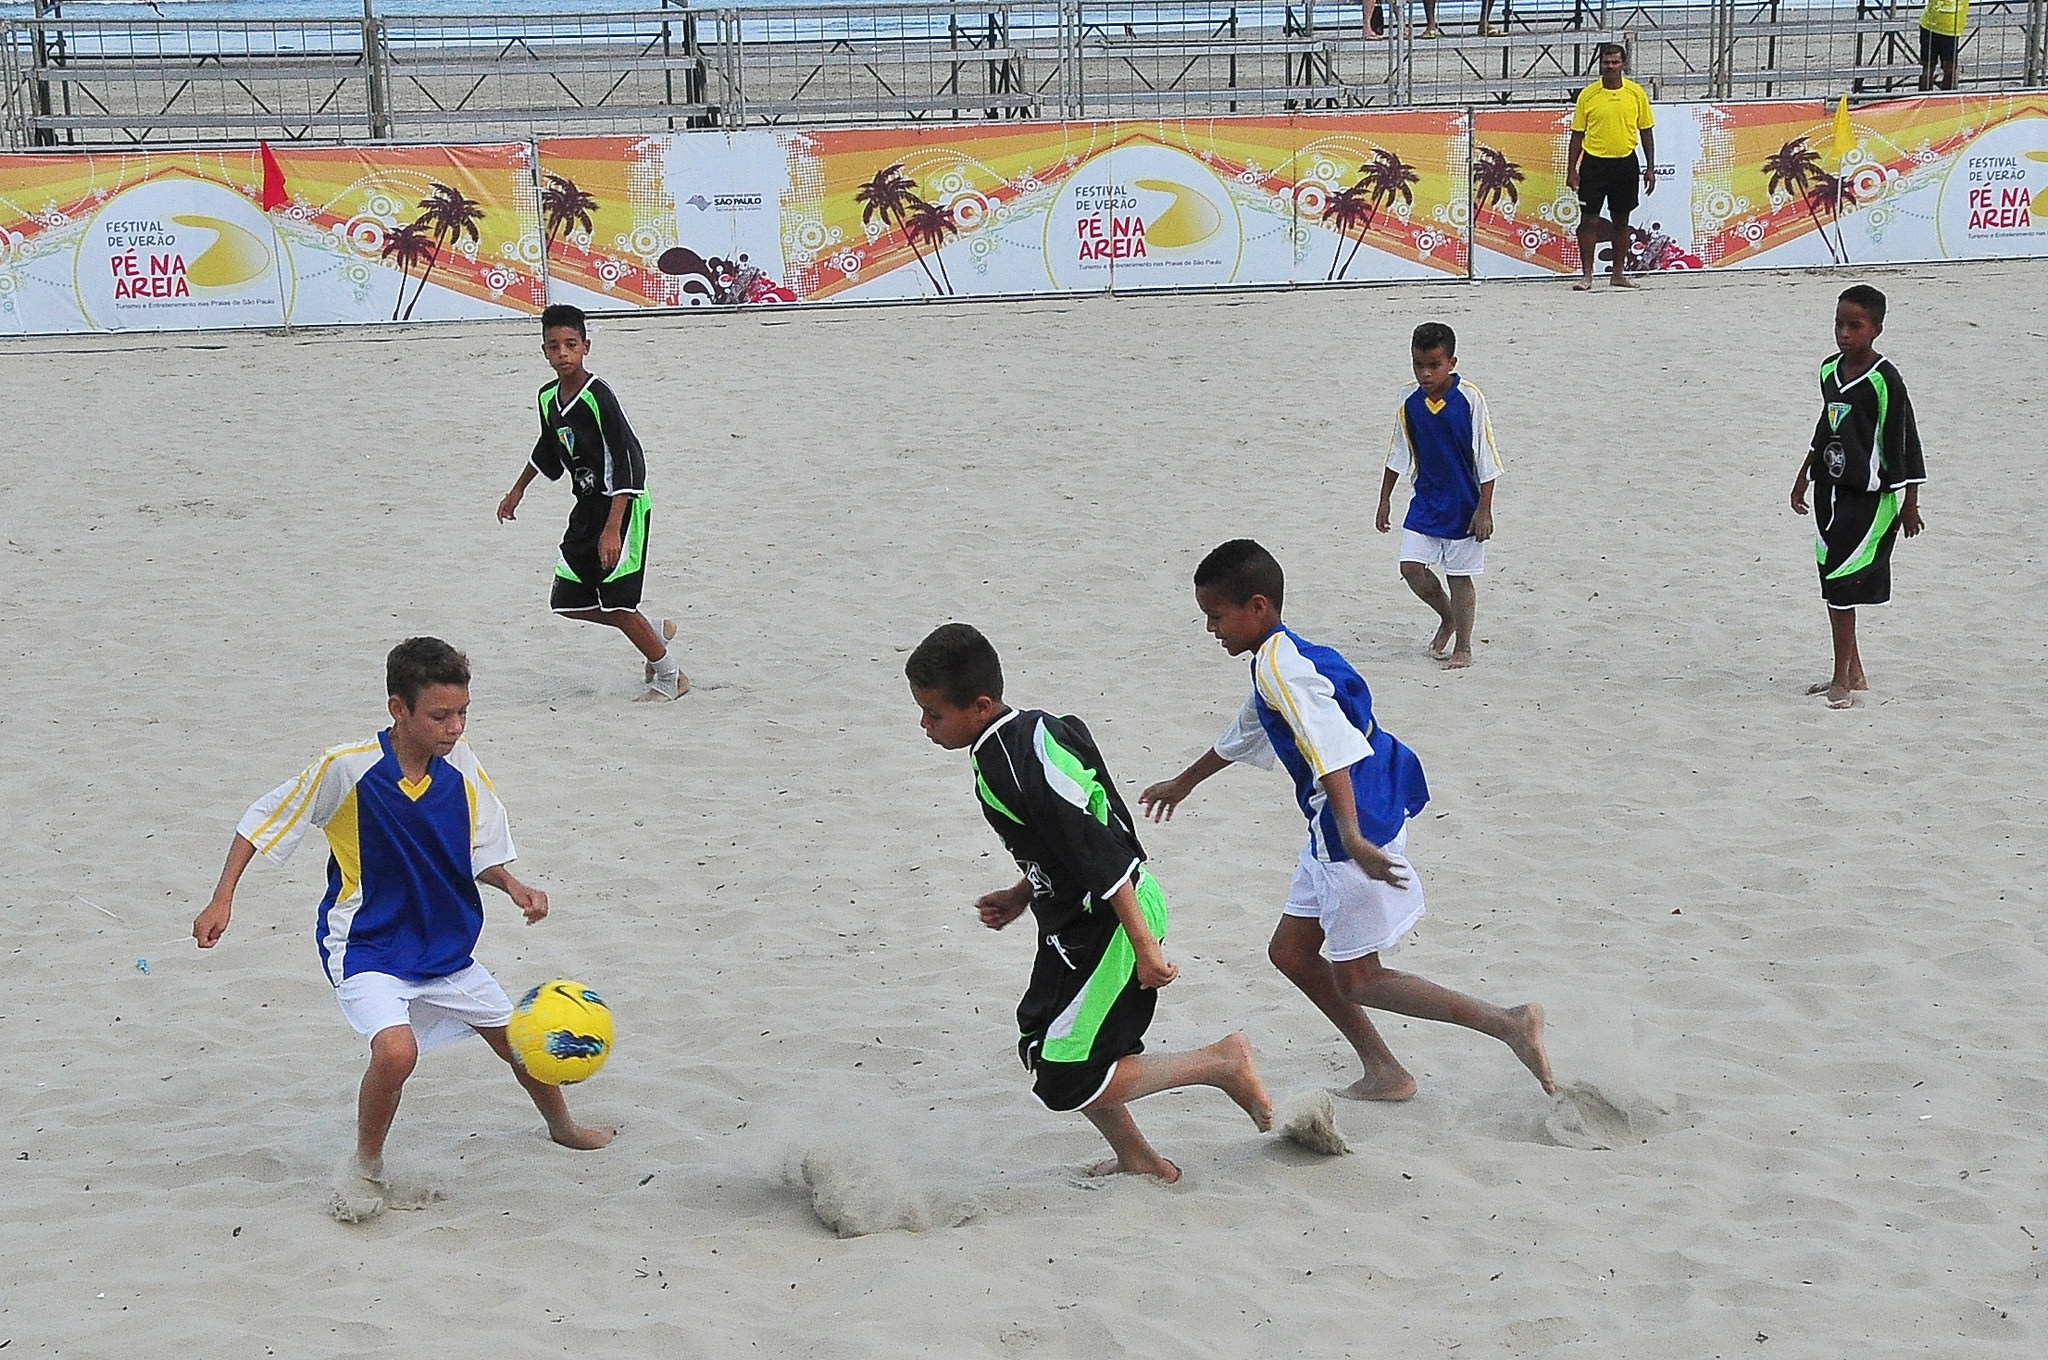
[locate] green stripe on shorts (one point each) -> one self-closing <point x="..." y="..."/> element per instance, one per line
<point x="1071" y="1037"/>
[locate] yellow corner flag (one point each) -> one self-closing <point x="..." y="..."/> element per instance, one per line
<point x="1845" y="138"/>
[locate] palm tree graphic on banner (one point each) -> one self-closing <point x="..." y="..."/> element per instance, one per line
<point x="446" y="216"/>
<point x="565" y="208"/>
<point x="891" y="198"/>
<point x="1495" y="179"/>
<point x="1381" y="180"/>
<point x="1795" y="169"/>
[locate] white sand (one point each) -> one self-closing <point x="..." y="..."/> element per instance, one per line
<point x="1793" y="959"/>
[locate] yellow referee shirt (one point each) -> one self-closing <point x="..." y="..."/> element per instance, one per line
<point x="1611" y="118"/>
<point x="1949" y="18"/>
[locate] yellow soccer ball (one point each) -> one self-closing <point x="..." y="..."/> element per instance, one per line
<point x="561" y="1032"/>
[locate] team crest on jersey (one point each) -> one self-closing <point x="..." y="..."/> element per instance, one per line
<point x="1837" y="459"/>
<point x="1836" y="410"/>
<point x="1041" y="882"/>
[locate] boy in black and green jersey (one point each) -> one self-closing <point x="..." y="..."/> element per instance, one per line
<point x="584" y="433"/>
<point x="1047" y="793"/>
<point x="1865" y="467"/>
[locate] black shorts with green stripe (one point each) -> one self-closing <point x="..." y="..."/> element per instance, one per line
<point x="1854" y="533"/>
<point x="1084" y="1010"/>
<point x="581" y="580"/>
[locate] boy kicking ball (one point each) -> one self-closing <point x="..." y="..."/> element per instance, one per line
<point x="1101" y="916"/>
<point x="412" y="826"/>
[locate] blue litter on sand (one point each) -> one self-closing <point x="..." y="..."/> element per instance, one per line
<point x="142" y="966"/>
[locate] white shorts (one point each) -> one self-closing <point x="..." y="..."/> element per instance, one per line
<point x="1457" y="556"/>
<point x="440" y="1010"/>
<point x="1359" y="915"/>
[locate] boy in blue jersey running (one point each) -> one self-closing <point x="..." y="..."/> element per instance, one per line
<point x="1442" y="437"/>
<point x="1354" y="892"/>
<point x="412" y="826"/>
<point x="1101" y="916"/>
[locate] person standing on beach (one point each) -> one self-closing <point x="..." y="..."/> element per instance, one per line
<point x="1444" y="440"/>
<point x="1048" y="795"/>
<point x="1942" y="25"/>
<point x="1611" y="117"/>
<point x="412" y="826"/>
<point x="1865" y="468"/>
<point x="583" y="432"/>
<point x="1354" y="893"/>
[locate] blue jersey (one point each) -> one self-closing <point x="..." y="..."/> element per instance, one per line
<point x="1448" y="446"/>
<point x="402" y="858"/>
<point x="1310" y="712"/>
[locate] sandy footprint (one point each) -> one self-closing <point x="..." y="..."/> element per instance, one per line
<point x="361" y="1194"/>
<point x="1585" y="1116"/>
<point x="1309" y="1120"/>
<point x="855" y="1193"/>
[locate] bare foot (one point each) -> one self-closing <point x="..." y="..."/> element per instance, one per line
<point x="1526" y="1039"/>
<point x="1623" y="281"/>
<point x="1583" y="286"/>
<point x="1392" y="1085"/>
<point x="1823" y="686"/>
<point x="1459" y="660"/>
<point x="1159" y="1167"/>
<point x="1440" y="645"/>
<point x="1241" y="1082"/>
<point x="1840" y="698"/>
<point x="582" y="1138"/>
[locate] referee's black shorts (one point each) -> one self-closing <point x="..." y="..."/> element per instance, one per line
<point x="1614" y="181"/>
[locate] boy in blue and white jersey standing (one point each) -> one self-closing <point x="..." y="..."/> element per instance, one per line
<point x="1443" y="438"/>
<point x="1354" y="893"/>
<point x="412" y="825"/>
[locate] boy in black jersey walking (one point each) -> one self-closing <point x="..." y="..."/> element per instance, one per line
<point x="1865" y="467"/>
<point x="584" y="433"/>
<point x="1047" y="793"/>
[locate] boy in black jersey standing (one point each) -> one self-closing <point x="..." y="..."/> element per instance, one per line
<point x="1865" y="467"/>
<point x="1047" y="792"/>
<point x="584" y="433"/>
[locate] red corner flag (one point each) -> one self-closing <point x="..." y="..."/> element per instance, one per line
<point x="274" y="195"/>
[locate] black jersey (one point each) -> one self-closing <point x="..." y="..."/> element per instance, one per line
<point x="1047" y="792"/>
<point x="1866" y="439"/>
<point x="589" y="439"/>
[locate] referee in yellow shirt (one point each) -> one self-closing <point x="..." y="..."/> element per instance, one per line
<point x="1601" y="163"/>
<point x="1942" y="25"/>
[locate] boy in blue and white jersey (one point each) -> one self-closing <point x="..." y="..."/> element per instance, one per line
<point x="1442" y="436"/>
<point x="1354" y="893"/>
<point x="412" y="826"/>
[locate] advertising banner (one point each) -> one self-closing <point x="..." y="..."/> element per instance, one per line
<point x="1950" y="177"/>
<point x="1525" y="218"/>
<point x="1003" y="209"/>
<point x="156" y="240"/>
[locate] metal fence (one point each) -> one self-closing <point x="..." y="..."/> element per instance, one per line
<point x="71" y="79"/>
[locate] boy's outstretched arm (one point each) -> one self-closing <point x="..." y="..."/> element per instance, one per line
<point x="1384" y="519"/>
<point x="531" y="901"/>
<point x="1153" y="969"/>
<point x="999" y="908"/>
<point x="212" y="923"/>
<point x="1159" y="801"/>
<point x="508" y="507"/>
<point x="1376" y="862"/>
